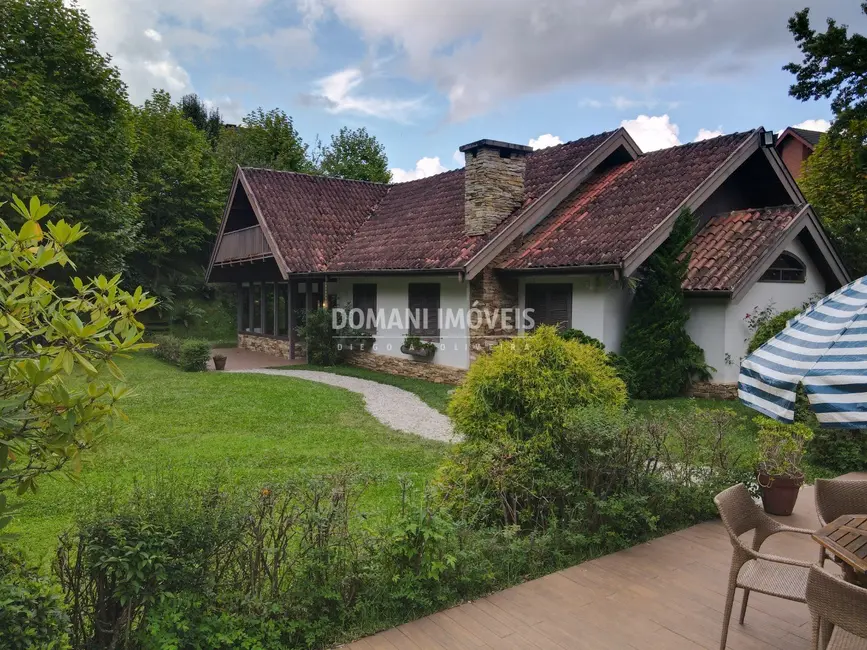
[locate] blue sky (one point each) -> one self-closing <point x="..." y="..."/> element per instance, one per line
<point x="426" y="76"/>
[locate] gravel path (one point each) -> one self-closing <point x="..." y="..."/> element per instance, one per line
<point x="394" y="407"/>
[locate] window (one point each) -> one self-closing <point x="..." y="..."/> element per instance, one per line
<point x="269" y="307"/>
<point x="424" y="307"/>
<point x="282" y="310"/>
<point x="244" y="298"/>
<point x="551" y="304"/>
<point x="364" y="298"/>
<point x="256" y="324"/>
<point x="786" y="268"/>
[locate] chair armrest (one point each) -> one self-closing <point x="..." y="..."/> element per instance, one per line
<point x="792" y="529"/>
<point x="780" y="559"/>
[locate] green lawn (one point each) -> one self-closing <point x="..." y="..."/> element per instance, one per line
<point x="246" y="430"/>
<point x="434" y="395"/>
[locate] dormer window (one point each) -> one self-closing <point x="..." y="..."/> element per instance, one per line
<point x="786" y="268"/>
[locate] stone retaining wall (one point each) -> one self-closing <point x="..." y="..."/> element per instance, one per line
<point x="269" y="345"/>
<point x="406" y="367"/>
<point x="709" y="390"/>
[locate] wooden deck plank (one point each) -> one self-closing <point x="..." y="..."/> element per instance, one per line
<point x="667" y="594"/>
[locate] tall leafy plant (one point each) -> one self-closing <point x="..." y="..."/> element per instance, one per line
<point x="662" y="356"/>
<point x="56" y="401"/>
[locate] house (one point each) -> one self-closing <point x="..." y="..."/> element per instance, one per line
<point x="796" y="145"/>
<point x="562" y="231"/>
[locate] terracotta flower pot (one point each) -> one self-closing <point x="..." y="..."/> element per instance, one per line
<point x="779" y="493"/>
<point x="219" y="362"/>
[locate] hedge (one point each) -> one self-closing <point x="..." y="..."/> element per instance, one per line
<point x="191" y="355"/>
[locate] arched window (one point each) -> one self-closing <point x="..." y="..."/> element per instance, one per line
<point x="786" y="268"/>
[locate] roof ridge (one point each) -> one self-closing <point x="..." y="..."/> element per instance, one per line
<point x="697" y="143"/>
<point x="555" y="147"/>
<point x="316" y="176"/>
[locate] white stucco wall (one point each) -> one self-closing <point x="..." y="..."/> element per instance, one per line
<point x="720" y="328"/>
<point x="392" y="293"/>
<point x="600" y="305"/>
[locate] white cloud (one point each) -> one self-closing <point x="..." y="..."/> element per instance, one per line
<point x="653" y="132"/>
<point x="482" y="52"/>
<point x="545" y="141"/>
<point x="153" y="34"/>
<point x="459" y="158"/>
<point x="230" y="109"/>
<point x="423" y="168"/>
<point x="814" y="125"/>
<point x="707" y="134"/>
<point x="621" y="103"/>
<point x="338" y="92"/>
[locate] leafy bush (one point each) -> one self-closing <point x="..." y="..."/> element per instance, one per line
<point x="526" y="387"/>
<point x="317" y="332"/>
<point x="194" y="355"/>
<point x="782" y="447"/>
<point x="618" y="362"/>
<point x="767" y="329"/>
<point x="31" y="609"/>
<point x="663" y="358"/>
<point x="838" y="450"/>
<point x="168" y="348"/>
<point x="608" y="471"/>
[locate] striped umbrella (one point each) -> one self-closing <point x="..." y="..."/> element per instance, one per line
<point x="825" y="349"/>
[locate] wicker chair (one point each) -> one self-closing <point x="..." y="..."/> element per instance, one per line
<point x="752" y="570"/>
<point x="838" y="610"/>
<point x="835" y="498"/>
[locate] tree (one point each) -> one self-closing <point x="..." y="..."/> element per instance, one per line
<point x="55" y="399"/>
<point x="178" y="191"/>
<point x="64" y="125"/>
<point x="660" y="352"/>
<point x="207" y="120"/>
<point x="265" y="139"/>
<point x="357" y="155"/>
<point x="835" y="183"/>
<point x="834" y="65"/>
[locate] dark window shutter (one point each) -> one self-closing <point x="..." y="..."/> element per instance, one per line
<point x="552" y="304"/>
<point x="364" y="298"/>
<point x="424" y="298"/>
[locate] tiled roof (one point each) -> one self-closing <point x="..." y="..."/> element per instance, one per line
<point x="812" y="137"/>
<point x="730" y="244"/>
<point x="420" y="224"/>
<point x="311" y="217"/>
<point x="609" y="215"/>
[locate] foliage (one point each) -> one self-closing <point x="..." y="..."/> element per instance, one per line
<point x="608" y="471"/>
<point x="167" y="348"/>
<point x="618" y="362"/>
<point x="526" y="387"/>
<point x="782" y="447"/>
<point x="355" y="154"/>
<point x="662" y="356"/>
<point x="833" y="182"/>
<point x="317" y="332"/>
<point x="834" y="66"/>
<point x="54" y="404"/>
<point x="838" y="450"/>
<point x="31" y="609"/>
<point x="416" y="343"/>
<point x="178" y="191"/>
<point x="206" y="119"/>
<point x="194" y="355"/>
<point x="65" y="127"/>
<point x="769" y="327"/>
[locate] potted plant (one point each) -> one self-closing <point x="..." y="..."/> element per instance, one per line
<point x="415" y="347"/>
<point x="219" y="361"/>
<point x="780" y="463"/>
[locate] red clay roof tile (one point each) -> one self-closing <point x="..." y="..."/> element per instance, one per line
<point x="729" y="245"/>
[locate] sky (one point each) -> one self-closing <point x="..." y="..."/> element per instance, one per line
<point x="427" y="76"/>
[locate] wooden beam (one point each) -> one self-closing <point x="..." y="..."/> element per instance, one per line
<point x="293" y="289"/>
<point x="308" y="296"/>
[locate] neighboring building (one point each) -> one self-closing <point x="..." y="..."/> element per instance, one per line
<point x="796" y="145"/>
<point x="561" y="230"/>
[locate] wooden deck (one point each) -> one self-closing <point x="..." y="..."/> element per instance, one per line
<point x="668" y="594"/>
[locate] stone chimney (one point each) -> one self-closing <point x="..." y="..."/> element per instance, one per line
<point x="493" y="183"/>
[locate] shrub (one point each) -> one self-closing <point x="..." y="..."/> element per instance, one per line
<point x="769" y="328"/>
<point x="317" y="332"/>
<point x="617" y="361"/>
<point x="527" y="386"/>
<point x="608" y="472"/>
<point x="839" y="451"/>
<point x="782" y="446"/>
<point x="194" y="355"/>
<point x="663" y="358"/>
<point x="168" y="348"/>
<point x="31" y="610"/>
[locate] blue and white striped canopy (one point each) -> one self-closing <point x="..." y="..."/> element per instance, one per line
<point x="825" y="349"/>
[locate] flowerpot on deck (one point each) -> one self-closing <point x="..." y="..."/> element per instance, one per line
<point x="779" y="493"/>
<point x="219" y="362"/>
